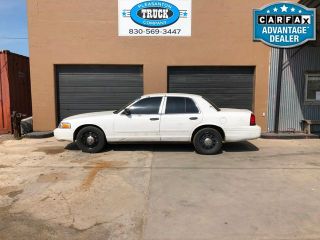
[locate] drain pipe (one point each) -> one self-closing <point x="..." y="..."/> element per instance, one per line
<point x="279" y="86"/>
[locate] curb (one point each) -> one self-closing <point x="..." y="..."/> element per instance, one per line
<point x="288" y="136"/>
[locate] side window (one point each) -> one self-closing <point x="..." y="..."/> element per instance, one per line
<point x="180" y="105"/>
<point x="191" y="106"/>
<point x="146" y="106"/>
<point x="176" y="105"/>
<point x="312" y="88"/>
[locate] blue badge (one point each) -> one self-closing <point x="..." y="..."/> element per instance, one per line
<point x="284" y="24"/>
<point x="155" y="14"/>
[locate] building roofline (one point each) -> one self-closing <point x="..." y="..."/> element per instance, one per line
<point x="310" y="3"/>
<point x="12" y="53"/>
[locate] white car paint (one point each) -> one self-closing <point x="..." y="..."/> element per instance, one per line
<point x="235" y="123"/>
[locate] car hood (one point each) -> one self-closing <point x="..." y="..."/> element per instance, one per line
<point x="89" y="115"/>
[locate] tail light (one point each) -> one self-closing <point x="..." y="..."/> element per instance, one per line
<point x="252" y="120"/>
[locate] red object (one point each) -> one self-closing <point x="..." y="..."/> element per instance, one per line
<point x="15" y="90"/>
<point x="252" y="120"/>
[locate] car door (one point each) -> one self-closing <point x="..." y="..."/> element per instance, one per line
<point x="181" y="115"/>
<point x="142" y="124"/>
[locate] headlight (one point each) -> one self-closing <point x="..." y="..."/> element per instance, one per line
<point x="65" y="125"/>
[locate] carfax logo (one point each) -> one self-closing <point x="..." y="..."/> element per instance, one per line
<point x="155" y="14"/>
<point x="284" y="24"/>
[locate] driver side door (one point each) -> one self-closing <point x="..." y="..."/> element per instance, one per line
<point x="142" y="124"/>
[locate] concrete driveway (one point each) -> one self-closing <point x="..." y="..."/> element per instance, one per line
<point x="262" y="189"/>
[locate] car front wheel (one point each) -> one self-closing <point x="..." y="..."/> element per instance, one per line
<point x="207" y="141"/>
<point x="91" y="139"/>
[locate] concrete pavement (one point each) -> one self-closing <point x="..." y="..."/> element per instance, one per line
<point x="262" y="189"/>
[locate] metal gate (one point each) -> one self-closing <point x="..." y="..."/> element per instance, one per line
<point x="91" y="88"/>
<point x="229" y="87"/>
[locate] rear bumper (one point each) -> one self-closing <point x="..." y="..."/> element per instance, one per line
<point x="242" y="133"/>
<point x="63" y="134"/>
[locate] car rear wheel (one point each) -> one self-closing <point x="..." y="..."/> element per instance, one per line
<point x="91" y="140"/>
<point x="207" y="141"/>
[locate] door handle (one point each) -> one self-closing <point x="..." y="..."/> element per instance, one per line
<point x="154" y="119"/>
<point x="193" y="118"/>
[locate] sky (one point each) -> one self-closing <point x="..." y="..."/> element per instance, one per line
<point x="14" y="26"/>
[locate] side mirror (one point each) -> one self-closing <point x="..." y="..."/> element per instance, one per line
<point x="126" y="112"/>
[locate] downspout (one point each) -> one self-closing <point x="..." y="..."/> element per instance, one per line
<point x="279" y="86"/>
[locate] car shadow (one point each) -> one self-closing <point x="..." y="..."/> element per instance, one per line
<point x="244" y="146"/>
<point x="165" y="147"/>
<point x="72" y="147"/>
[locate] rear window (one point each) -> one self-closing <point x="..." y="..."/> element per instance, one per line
<point x="180" y="105"/>
<point x="212" y="104"/>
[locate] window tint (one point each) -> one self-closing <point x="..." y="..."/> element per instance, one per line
<point x="146" y="106"/>
<point x="191" y="106"/>
<point x="180" y="105"/>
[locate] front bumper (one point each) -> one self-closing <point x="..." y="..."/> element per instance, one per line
<point x="63" y="134"/>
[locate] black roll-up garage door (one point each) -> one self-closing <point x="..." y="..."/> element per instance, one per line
<point x="91" y="88"/>
<point x="229" y="87"/>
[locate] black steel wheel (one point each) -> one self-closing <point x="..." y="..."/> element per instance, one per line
<point x="207" y="141"/>
<point x="91" y="139"/>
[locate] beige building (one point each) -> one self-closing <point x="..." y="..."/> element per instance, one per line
<point x="80" y="63"/>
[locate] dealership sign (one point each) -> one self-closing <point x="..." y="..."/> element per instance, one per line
<point x="284" y="24"/>
<point x="154" y="18"/>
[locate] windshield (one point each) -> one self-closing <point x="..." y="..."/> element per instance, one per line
<point x="125" y="106"/>
<point x="212" y="104"/>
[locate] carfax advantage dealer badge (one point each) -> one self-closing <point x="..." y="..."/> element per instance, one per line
<point x="284" y="24"/>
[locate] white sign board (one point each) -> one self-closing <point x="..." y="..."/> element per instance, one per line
<point x="318" y="96"/>
<point x="154" y="18"/>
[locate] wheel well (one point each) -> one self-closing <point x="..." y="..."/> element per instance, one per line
<point x="83" y="126"/>
<point x="219" y="129"/>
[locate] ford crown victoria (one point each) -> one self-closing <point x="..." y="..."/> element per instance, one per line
<point x="161" y="118"/>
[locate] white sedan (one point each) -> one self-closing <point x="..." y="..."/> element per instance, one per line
<point x="161" y="118"/>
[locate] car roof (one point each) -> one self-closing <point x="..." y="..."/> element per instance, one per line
<point x="172" y="95"/>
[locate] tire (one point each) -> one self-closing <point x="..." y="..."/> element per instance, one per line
<point x="91" y="140"/>
<point x="207" y="141"/>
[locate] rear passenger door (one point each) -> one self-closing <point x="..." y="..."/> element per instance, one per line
<point x="180" y="116"/>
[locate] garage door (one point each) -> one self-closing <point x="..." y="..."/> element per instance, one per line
<point x="82" y="89"/>
<point x="229" y="87"/>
